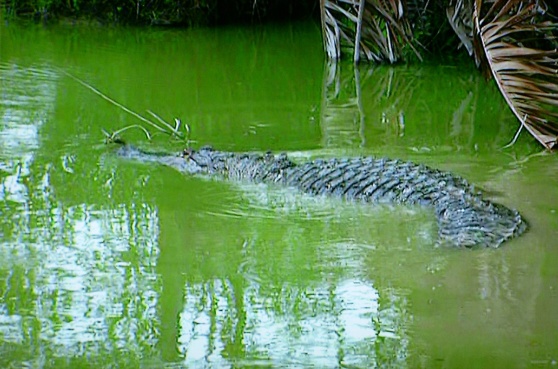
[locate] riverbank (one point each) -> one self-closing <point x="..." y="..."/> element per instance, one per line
<point x="160" y="12"/>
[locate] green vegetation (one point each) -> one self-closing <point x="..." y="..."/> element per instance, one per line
<point x="161" y="12"/>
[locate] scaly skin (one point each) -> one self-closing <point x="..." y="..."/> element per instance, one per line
<point x="464" y="217"/>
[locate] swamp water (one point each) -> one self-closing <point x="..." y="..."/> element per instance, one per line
<point x="109" y="263"/>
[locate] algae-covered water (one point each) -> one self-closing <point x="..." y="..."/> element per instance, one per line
<point x="107" y="263"/>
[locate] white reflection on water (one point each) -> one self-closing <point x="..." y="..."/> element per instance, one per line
<point x="26" y="100"/>
<point x="80" y="281"/>
<point x="75" y="281"/>
<point x="327" y="326"/>
<point x="27" y="97"/>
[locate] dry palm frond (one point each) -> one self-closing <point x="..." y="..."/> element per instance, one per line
<point x="519" y="47"/>
<point x="377" y="30"/>
<point x="459" y="13"/>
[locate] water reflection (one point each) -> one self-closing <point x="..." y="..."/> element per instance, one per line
<point x="368" y="105"/>
<point x="334" y="325"/>
<point x="329" y="324"/>
<point x="77" y="282"/>
<point x="106" y="264"/>
<point x="27" y="99"/>
<point x="81" y="285"/>
<point x="342" y="112"/>
<point x="285" y="286"/>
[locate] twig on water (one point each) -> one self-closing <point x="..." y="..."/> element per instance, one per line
<point x="113" y="137"/>
<point x="163" y="122"/>
<point x="166" y="128"/>
<point x="515" y="137"/>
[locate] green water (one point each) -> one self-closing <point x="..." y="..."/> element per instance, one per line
<point x="110" y="263"/>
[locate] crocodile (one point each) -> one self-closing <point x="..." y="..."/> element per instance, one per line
<point x="464" y="217"/>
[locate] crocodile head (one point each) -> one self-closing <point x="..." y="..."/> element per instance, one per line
<point x="187" y="162"/>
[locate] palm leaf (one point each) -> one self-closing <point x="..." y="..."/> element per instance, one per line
<point x="459" y="14"/>
<point x="377" y="30"/>
<point x="517" y="43"/>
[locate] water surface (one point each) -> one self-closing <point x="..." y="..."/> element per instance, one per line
<point x="110" y="263"/>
